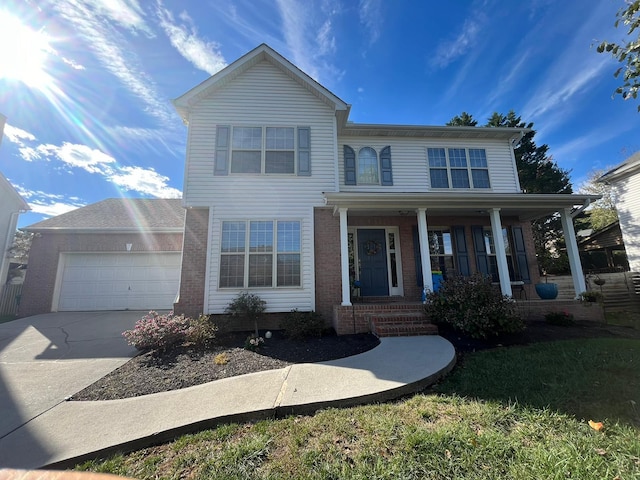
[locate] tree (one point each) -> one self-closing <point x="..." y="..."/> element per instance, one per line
<point x="602" y="212"/>
<point x="463" y="120"/>
<point x="627" y="52"/>
<point x="21" y="246"/>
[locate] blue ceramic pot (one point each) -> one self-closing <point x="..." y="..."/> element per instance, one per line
<point x="547" y="291"/>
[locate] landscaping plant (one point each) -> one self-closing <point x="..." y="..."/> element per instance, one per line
<point x="473" y="306"/>
<point x="202" y="331"/>
<point x="559" y="318"/>
<point x="302" y="325"/>
<point x="157" y="331"/>
<point x="247" y="306"/>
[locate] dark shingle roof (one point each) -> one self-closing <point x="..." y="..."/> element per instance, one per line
<point x="119" y="214"/>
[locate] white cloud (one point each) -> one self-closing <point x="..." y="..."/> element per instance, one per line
<point x="94" y="27"/>
<point x="72" y="155"/>
<point x="48" y="204"/>
<point x="371" y="17"/>
<point x="146" y="181"/>
<point x="52" y="209"/>
<point x="203" y="55"/>
<point x="17" y="135"/>
<point x="128" y="14"/>
<point x="72" y="64"/>
<point x="450" y="50"/>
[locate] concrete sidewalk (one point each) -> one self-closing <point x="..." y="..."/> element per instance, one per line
<point x="73" y="431"/>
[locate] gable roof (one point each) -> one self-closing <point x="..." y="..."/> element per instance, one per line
<point x="20" y="203"/>
<point x="630" y="166"/>
<point x="261" y="53"/>
<point x="118" y="215"/>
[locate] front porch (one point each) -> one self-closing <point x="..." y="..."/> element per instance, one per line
<point x="397" y="317"/>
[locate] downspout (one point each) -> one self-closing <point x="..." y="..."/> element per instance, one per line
<point x="584" y="206"/>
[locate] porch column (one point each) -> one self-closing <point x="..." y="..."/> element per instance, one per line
<point x="572" y="251"/>
<point x="423" y="237"/>
<point x="501" y="253"/>
<point x="344" y="258"/>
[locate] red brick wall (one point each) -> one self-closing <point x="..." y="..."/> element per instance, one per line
<point x="194" y="263"/>
<point x="37" y="291"/>
<point x="327" y="259"/>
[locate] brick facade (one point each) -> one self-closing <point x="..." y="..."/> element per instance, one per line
<point x="194" y="263"/>
<point x="327" y="254"/>
<point x="39" y="284"/>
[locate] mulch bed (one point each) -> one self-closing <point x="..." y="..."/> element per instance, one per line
<point x="186" y="366"/>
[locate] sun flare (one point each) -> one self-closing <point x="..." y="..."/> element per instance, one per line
<point x="23" y="52"/>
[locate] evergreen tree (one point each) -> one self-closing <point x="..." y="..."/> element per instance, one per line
<point x="463" y="120"/>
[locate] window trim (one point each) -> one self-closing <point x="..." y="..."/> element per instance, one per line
<point x="351" y="164"/>
<point x="450" y="169"/>
<point x="247" y="253"/>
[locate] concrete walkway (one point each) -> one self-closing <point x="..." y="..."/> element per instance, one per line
<point x="72" y="431"/>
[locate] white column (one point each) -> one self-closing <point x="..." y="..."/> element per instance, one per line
<point x="501" y="252"/>
<point x="423" y="237"/>
<point x="572" y="251"/>
<point x="344" y="258"/>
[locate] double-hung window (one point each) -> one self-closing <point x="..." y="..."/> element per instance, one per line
<point x="263" y="150"/>
<point x="260" y="253"/>
<point x="490" y="249"/>
<point x="458" y="168"/>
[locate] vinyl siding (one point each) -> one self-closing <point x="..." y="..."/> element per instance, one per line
<point x="628" y="206"/>
<point x="261" y="96"/>
<point x="410" y="164"/>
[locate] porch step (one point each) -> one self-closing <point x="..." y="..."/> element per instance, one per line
<point x="401" y="324"/>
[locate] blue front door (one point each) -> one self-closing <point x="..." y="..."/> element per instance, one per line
<point x="372" y="253"/>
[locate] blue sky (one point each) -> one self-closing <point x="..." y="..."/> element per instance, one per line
<point x="86" y="85"/>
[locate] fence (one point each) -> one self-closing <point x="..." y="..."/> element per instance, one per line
<point x="9" y="299"/>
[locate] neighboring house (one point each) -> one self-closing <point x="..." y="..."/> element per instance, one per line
<point x="625" y="179"/>
<point x="603" y="250"/>
<point x="117" y="254"/>
<point x="11" y="205"/>
<point x="289" y="200"/>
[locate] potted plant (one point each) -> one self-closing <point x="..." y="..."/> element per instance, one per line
<point x="546" y="290"/>
<point x="591" y="297"/>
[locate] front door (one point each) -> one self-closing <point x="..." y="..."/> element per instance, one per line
<point x="372" y="253"/>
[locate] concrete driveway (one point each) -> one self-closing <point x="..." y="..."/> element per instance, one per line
<point x="46" y="358"/>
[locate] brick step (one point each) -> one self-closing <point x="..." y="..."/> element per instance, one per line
<point x="396" y="324"/>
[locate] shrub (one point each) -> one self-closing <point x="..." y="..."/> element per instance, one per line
<point x="247" y="306"/>
<point x="591" y="296"/>
<point x="221" y="359"/>
<point x="300" y="325"/>
<point x="202" y="331"/>
<point x="253" y="343"/>
<point x="559" y="318"/>
<point x="158" y="332"/>
<point x="473" y="306"/>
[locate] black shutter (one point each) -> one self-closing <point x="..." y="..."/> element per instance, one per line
<point x="222" y="150"/>
<point x="521" y="255"/>
<point x="385" y="166"/>
<point x="349" y="166"/>
<point x="304" y="151"/>
<point x="462" y="253"/>
<point x="417" y="256"/>
<point x="482" y="262"/>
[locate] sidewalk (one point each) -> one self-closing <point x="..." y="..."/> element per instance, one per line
<point x="73" y="431"/>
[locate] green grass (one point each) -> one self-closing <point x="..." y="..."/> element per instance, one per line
<point x="516" y="413"/>
<point x="623" y="319"/>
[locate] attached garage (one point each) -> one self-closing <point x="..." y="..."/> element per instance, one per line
<point x="117" y="254"/>
<point x="118" y="281"/>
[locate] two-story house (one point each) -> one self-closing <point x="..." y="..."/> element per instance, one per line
<point x="289" y="200"/>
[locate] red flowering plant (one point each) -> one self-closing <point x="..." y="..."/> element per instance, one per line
<point x="157" y="331"/>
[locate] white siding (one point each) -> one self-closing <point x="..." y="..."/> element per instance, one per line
<point x="410" y="164"/>
<point x="261" y="96"/>
<point x="628" y="206"/>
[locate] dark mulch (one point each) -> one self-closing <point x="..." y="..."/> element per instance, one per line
<point x="186" y="366"/>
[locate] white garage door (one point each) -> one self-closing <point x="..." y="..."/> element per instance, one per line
<point x="118" y="281"/>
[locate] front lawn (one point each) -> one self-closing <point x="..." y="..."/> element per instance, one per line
<point x="519" y="412"/>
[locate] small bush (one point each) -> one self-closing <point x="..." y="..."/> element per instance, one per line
<point x="202" y="331"/>
<point x="559" y="318"/>
<point x="473" y="306"/>
<point x="247" y="306"/>
<point x="301" y="325"/>
<point x="158" y="332"/>
<point x="591" y="296"/>
<point x="253" y="343"/>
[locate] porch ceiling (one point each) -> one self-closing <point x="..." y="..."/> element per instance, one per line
<point x="524" y="206"/>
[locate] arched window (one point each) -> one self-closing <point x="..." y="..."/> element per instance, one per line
<point x="368" y="167"/>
